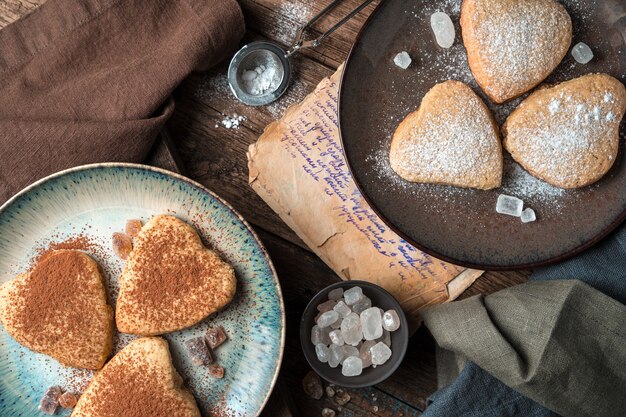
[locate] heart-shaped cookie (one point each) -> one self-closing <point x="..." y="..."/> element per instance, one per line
<point x="60" y="309"/>
<point x="139" y="381"/>
<point x="450" y="139"/>
<point x="513" y="45"/>
<point x="568" y="134"/>
<point x="170" y="280"/>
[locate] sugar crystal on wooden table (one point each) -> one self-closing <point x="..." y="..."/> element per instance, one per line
<point x="319" y="335"/>
<point x="380" y="353"/>
<point x="336" y="355"/>
<point x="312" y="385"/>
<point x="402" y="60"/>
<point x="327" y="318"/>
<point x="582" y="53"/>
<point x="362" y="305"/>
<point x="342" y="397"/>
<point x="528" y="215"/>
<point x="336" y="337"/>
<point x="353" y="295"/>
<point x="330" y="391"/>
<point x="215" y="336"/>
<point x="352" y="366"/>
<point x="365" y="354"/>
<point x="351" y="329"/>
<point x="322" y="352"/>
<point x="511" y="206"/>
<point x="371" y="323"/>
<point x="328" y="412"/>
<point x="326" y="306"/>
<point x="342" y="308"/>
<point x="443" y="28"/>
<point x="335" y="294"/>
<point x="50" y="400"/>
<point x="349" y="351"/>
<point x="199" y="351"/>
<point x="216" y="371"/>
<point x="391" y="320"/>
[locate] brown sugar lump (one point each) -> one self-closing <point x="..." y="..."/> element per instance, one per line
<point x="170" y="280"/>
<point x="450" y="139"/>
<point x="139" y="381"/>
<point x="60" y="308"/>
<point x="568" y="134"/>
<point x="513" y="45"/>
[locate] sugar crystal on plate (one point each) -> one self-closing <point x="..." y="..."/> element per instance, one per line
<point x="362" y="305"/>
<point x="319" y="335"/>
<point x="122" y="245"/>
<point x="336" y="337"/>
<point x="216" y="371"/>
<point x="508" y="205"/>
<point x="385" y="338"/>
<point x="68" y="400"/>
<point x="326" y="306"/>
<point x="50" y="400"/>
<point x="528" y="215"/>
<point x="352" y="366"/>
<point x="380" y="353"/>
<point x="349" y="351"/>
<point x="582" y="53"/>
<point x="336" y="325"/>
<point x="353" y="295"/>
<point x="336" y="355"/>
<point x="215" y="336"/>
<point x="365" y="354"/>
<point x="322" y="352"/>
<point x="327" y="319"/>
<point x="342" y="309"/>
<point x="371" y="323"/>
<point x="402" y="60"/>
<point x="443" y="28"/>
<point x="391" y="320"/>
<point x="335" y="294"/>
<point x="199" y="351"/>
<point x="351" y="329"/>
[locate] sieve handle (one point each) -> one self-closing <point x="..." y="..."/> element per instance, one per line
<point x="301" y="43"/>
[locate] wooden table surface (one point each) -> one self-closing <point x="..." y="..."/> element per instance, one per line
<point x="216" y="157"/>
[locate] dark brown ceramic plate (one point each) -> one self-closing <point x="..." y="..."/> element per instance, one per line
<point x="460" y="225"/>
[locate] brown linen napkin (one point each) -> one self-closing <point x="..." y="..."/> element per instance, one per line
<point x="85" y="81"/>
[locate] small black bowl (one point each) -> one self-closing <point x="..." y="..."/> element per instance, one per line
<point x="370" y="376"/>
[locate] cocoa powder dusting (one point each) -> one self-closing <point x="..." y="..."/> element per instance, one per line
<point x="48" y="296"/>
<point x="80" y="242"/>
<point x="135" y="391"/>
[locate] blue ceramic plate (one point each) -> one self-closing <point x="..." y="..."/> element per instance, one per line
<point x="93" y="202"/>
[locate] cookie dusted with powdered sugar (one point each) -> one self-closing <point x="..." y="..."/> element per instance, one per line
<point x="450" y="139"/>
<point x="513" y="45"/>
<point x="568" y="134"/>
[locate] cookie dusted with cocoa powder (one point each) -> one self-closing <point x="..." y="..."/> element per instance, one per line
<point x="139" y="381"/>
<point x="60" y="308"/>
<point x="170" y="280"/>
<point x="568" y="134"/>
<point x="513" y="45"/>
<point x="450" y="139"/>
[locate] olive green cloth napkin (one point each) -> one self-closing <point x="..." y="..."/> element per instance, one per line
<point x="85" y="81"/>
<point x="560" y="343"/>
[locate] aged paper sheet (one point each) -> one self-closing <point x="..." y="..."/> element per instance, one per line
<point x="297" y="166"/>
